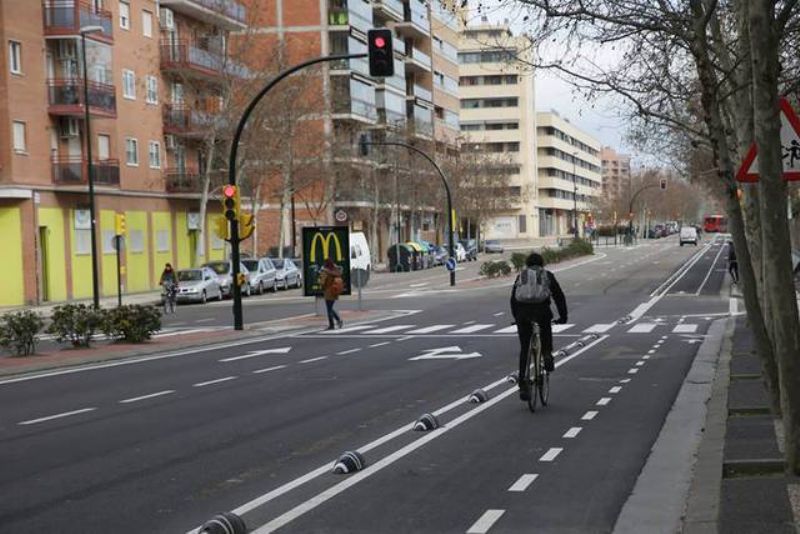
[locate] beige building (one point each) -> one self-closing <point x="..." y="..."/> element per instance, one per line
<point x="616" y="172"/>
<point x="498" y="119"/>
<point x="569" y="174"/>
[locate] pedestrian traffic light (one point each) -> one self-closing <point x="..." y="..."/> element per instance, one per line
<point x="663" y="184"/>
<point x="230" y="202"/>
<point x="119" y="224"/>
<point x="381" y="58"/>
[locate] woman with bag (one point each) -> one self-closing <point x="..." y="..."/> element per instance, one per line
<point x="330" y="278"/>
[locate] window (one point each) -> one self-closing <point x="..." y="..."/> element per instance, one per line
<point x="83" y="241"/>
<point x="20" y="141"/>
<point x="103" y="147"/>
<point x="523" y="224"/>
<point x="162" y="241"/>
<point x="15" y="57"/>
<point x="147" y="24"/>
<point x="154" y="154"/>
<point x="128" y="84"/>
<point x="131" y="151"/>
<point x="152" y="90"/>
<point x="125" y="15"/>
<point x="136" y="241"/>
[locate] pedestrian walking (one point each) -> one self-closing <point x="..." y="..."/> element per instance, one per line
<point x="330" y="278"/>
<point x="733" y="263"/>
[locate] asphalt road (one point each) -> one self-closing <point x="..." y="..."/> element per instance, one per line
<point x="162" y="444"/>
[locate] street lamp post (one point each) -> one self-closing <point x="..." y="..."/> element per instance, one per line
<point x="574" y="194"/>
<point x="89" y="165"/>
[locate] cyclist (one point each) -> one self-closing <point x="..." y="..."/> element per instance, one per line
<point x="535" y="286"/>
<point x="169" y="281"/>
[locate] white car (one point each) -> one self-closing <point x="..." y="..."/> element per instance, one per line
<point x="263" y="275"/>
<point x="197" y="285"/>
<point x="224" y="272"/>
<point x="461" y="253"/>
<point x="688" y="235"/>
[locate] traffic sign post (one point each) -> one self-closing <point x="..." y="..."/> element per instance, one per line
<point x="790" y="149"/>
<point x="450" y="264"/>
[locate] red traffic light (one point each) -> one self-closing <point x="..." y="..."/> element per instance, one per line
<point x="380" y="42"/>
<point x="229" y="191"/>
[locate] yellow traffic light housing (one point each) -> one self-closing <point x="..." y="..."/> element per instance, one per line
<point x="241" y="279"/>
<point x="246" y="225"/>
<point x="120" y="227"/>
<point x="221" y="228"/>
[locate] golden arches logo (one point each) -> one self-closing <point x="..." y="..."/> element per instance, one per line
<point x="326" y="246"/>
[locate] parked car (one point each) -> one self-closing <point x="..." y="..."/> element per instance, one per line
<point x="471" y="248"/>
<point x="493" y="246"/>
<point x="197" y="285"/>
<point x="461" y="253"/>
<point x="359" y="252"/>
<point x="657" y="232"/>
<point x="224" y="271"/>
<point x="287" y="273"/>
<point x="440" y="255"/>
<point x="688" y="235"/>
<point x="263" y="275"/>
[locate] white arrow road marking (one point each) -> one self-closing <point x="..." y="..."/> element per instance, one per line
<point x="446" y="353"/>
<point x="254" y="353"/>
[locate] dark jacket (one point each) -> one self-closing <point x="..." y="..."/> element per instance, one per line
<point x="528" y="310"/>
<point x="731" y="253"/>
<point x="326" y="279"/>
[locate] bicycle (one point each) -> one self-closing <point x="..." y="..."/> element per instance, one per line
<point x="170" y="297"/>
<point x="541" y="383"/>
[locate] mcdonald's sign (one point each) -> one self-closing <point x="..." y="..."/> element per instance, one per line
<point x="319" y="244"/>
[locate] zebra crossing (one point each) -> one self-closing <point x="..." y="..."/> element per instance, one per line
<point x="487" y="329"/>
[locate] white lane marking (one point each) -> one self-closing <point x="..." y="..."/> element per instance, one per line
<point x="685" y="329"/>
<point x="599" y="328"/>
<point x="470" y="322"/>
<point x="255" y="353"/>
<point x="507" y="330"/>
<point x="646" y="357"/>
<point x="312" y="360"/>
<point x="551" y="454"/>
<point x="217" y="381"/>
<point x="640" y="363"/>
<point x="633" y="370"/>
<point x="206" y="320"/>
<point x="56" y="416"/>
<point x="268" y="369"/>
<point x="403" y="430"/>
<point x="588" y="416"/>
<point x="710" y="270"/>
<point x="523" y="482"/>
<point x="572" y="432"/>
<point x="348" y="329"/>
<point x="733" y="306"/>
<point x="351" y="351"/>
<point x="181" y="332"/>
<point x="485" y="522"/>
<point x="404" y="338"/>
<point x="387" y="329"/>
<point x="604" y="401"/>
<point x="651" y="351"/>
<point x="642" y="328"/>
<point x="422" y="284"/>
<point x="498" y="314"/>
<point x="624" y="380"/>
<point x="664" y="337"/>
<point x="381" y="344"/>
<point x="615" y="389"/>
<point x="472" y="328"/>
<point x="150" y="396"/>
<point x="557" y="328"/>
<point x="432" y="328"/>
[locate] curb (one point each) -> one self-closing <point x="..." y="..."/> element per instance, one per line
<point x="658" y="500"/>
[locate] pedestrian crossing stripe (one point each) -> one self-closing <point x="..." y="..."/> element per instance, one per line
<point x="642" y="328"/>
<point x="491" y="329"/>
<point x="472" y="329"/>
<point x="430" y="329"/>
<point x="685" y="329"/>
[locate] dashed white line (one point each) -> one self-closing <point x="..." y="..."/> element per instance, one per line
<point x="572" y="432"/>
<point x="646" y="357"/>
<point x="217" y="381"/>
<point x="311" y="360"/>
<point x="588" y="416"/>
<point x="640" y="363"/>
<point x="633" y="370"/>
<point x="615" y="389"/>
<point x="604" y="401"/>
<point x="498" y="314"/>
<point x="381" y="344"/>
<point x="523" y="482"/>
<point x="56" y="416"/>
<point x="624" y="380"/>
<point x="150" y="396"/>
<point x="651" y="351"/>
<point x="268" y="369"/>
<point x="351" y="351"/>
<point x="551" y="455"/>
<point x="485" y="522"/>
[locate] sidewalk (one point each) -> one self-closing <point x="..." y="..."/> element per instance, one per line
<point x="150" y="297"/>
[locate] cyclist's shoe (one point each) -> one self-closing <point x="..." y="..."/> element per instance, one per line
<point x="549" y="365"/>
<point x="525" y="390"/>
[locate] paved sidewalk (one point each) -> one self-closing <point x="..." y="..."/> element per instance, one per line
<point x="150" y="297"/>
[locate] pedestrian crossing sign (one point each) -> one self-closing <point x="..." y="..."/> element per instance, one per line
<point x="790" y="149"/>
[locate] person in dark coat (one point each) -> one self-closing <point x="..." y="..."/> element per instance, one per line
<point x="733" y="263"/>
<point x="328" y="276"/>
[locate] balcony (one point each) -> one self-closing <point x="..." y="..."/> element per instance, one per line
<point x="67" y="17"/>
<point x="181" y="56"/>
<point x="422" y="119"/>
<point x="226" y="14"/>
<point x="417" y="91"/>
<point x="415" y="23"/>
<point x="65" y="98"/>
<point x="417" y="60"/>
<point x="389" y="9"/>
<point x="73" y="170"/>
<point x="186" y="122"/>
<point x="183" y="180"/>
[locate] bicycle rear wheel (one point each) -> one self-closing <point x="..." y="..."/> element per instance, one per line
<point x="534" y="356"/>
<point x="544" y="387"/>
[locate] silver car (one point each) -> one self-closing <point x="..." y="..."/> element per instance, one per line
<point x="198" y="285"/>
<point x="262" y="275"/>
<point x="224" y="271"/>
<point x="287" y="273"/>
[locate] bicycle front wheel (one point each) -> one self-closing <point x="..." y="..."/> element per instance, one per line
<point x="544" y="387"/>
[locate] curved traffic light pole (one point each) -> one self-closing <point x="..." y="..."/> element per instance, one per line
<point x="451" y="240"/>
<point x="238" y="322"/>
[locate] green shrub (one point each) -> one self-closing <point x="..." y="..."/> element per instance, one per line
<point x="19" y="331"/>
<point x="503" y="268"/>
<point x="518" y="260"/>
<point x="132" y="323"/>
<point x="580" y="247"/>
<point x="75" y="323"/>
<point x="488" y="269"/>
<point x="493" y="269"/>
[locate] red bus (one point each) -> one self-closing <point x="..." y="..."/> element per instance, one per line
<point x="715" y="223"/>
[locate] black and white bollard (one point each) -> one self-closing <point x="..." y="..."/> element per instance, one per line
<point x="427" y="421"/>
<point x="478" y="396"/>
<point x="224" y="523"/>
<point x="349" y="462"/>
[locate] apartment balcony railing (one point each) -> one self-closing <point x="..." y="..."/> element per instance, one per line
<point x="65" y="97"/>
<point x="67" y="17"/>
<point x="416" y="59"/>
<point x="187" y="122"/>
<point x="355" y="108"/>
<point x="415" y="21"/>
<point x="180" y="55"/>
<point x="417" y="91"/>
<point x="392" y="8"/>
<point x="74" y="170"/>
<point x="226" y="14"/>
<point x="183" y="180"/>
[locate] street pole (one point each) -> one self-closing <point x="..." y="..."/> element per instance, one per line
<point x="119" y="270"/>
<point x="238" y="320"/>
<point x="89" y="164"/>
<point x="574" y="194"/>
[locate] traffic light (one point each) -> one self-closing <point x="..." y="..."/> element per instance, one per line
<point x="221" y="228"/>
<point x="230" y="202"/>
<point x="119" y="224"/>
<point x="663" y="184"/>
<point x="363" y="145"/>
<point x="381" y="58"/>
<point x="246" y="225"/>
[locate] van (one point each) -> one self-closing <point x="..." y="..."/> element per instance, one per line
<point x="359" y="252"/>
<point x="688" y="235"/>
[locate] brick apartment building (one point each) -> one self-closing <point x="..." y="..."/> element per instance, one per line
<point x="616" y="173"/>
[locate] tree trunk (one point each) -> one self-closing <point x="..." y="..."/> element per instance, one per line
<point x="285" y="215"/>
<point x="201" y="238"/>
<point x="778" y="280"/>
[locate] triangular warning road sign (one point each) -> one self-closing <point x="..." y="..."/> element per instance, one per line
<point x="790" y="148"/>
